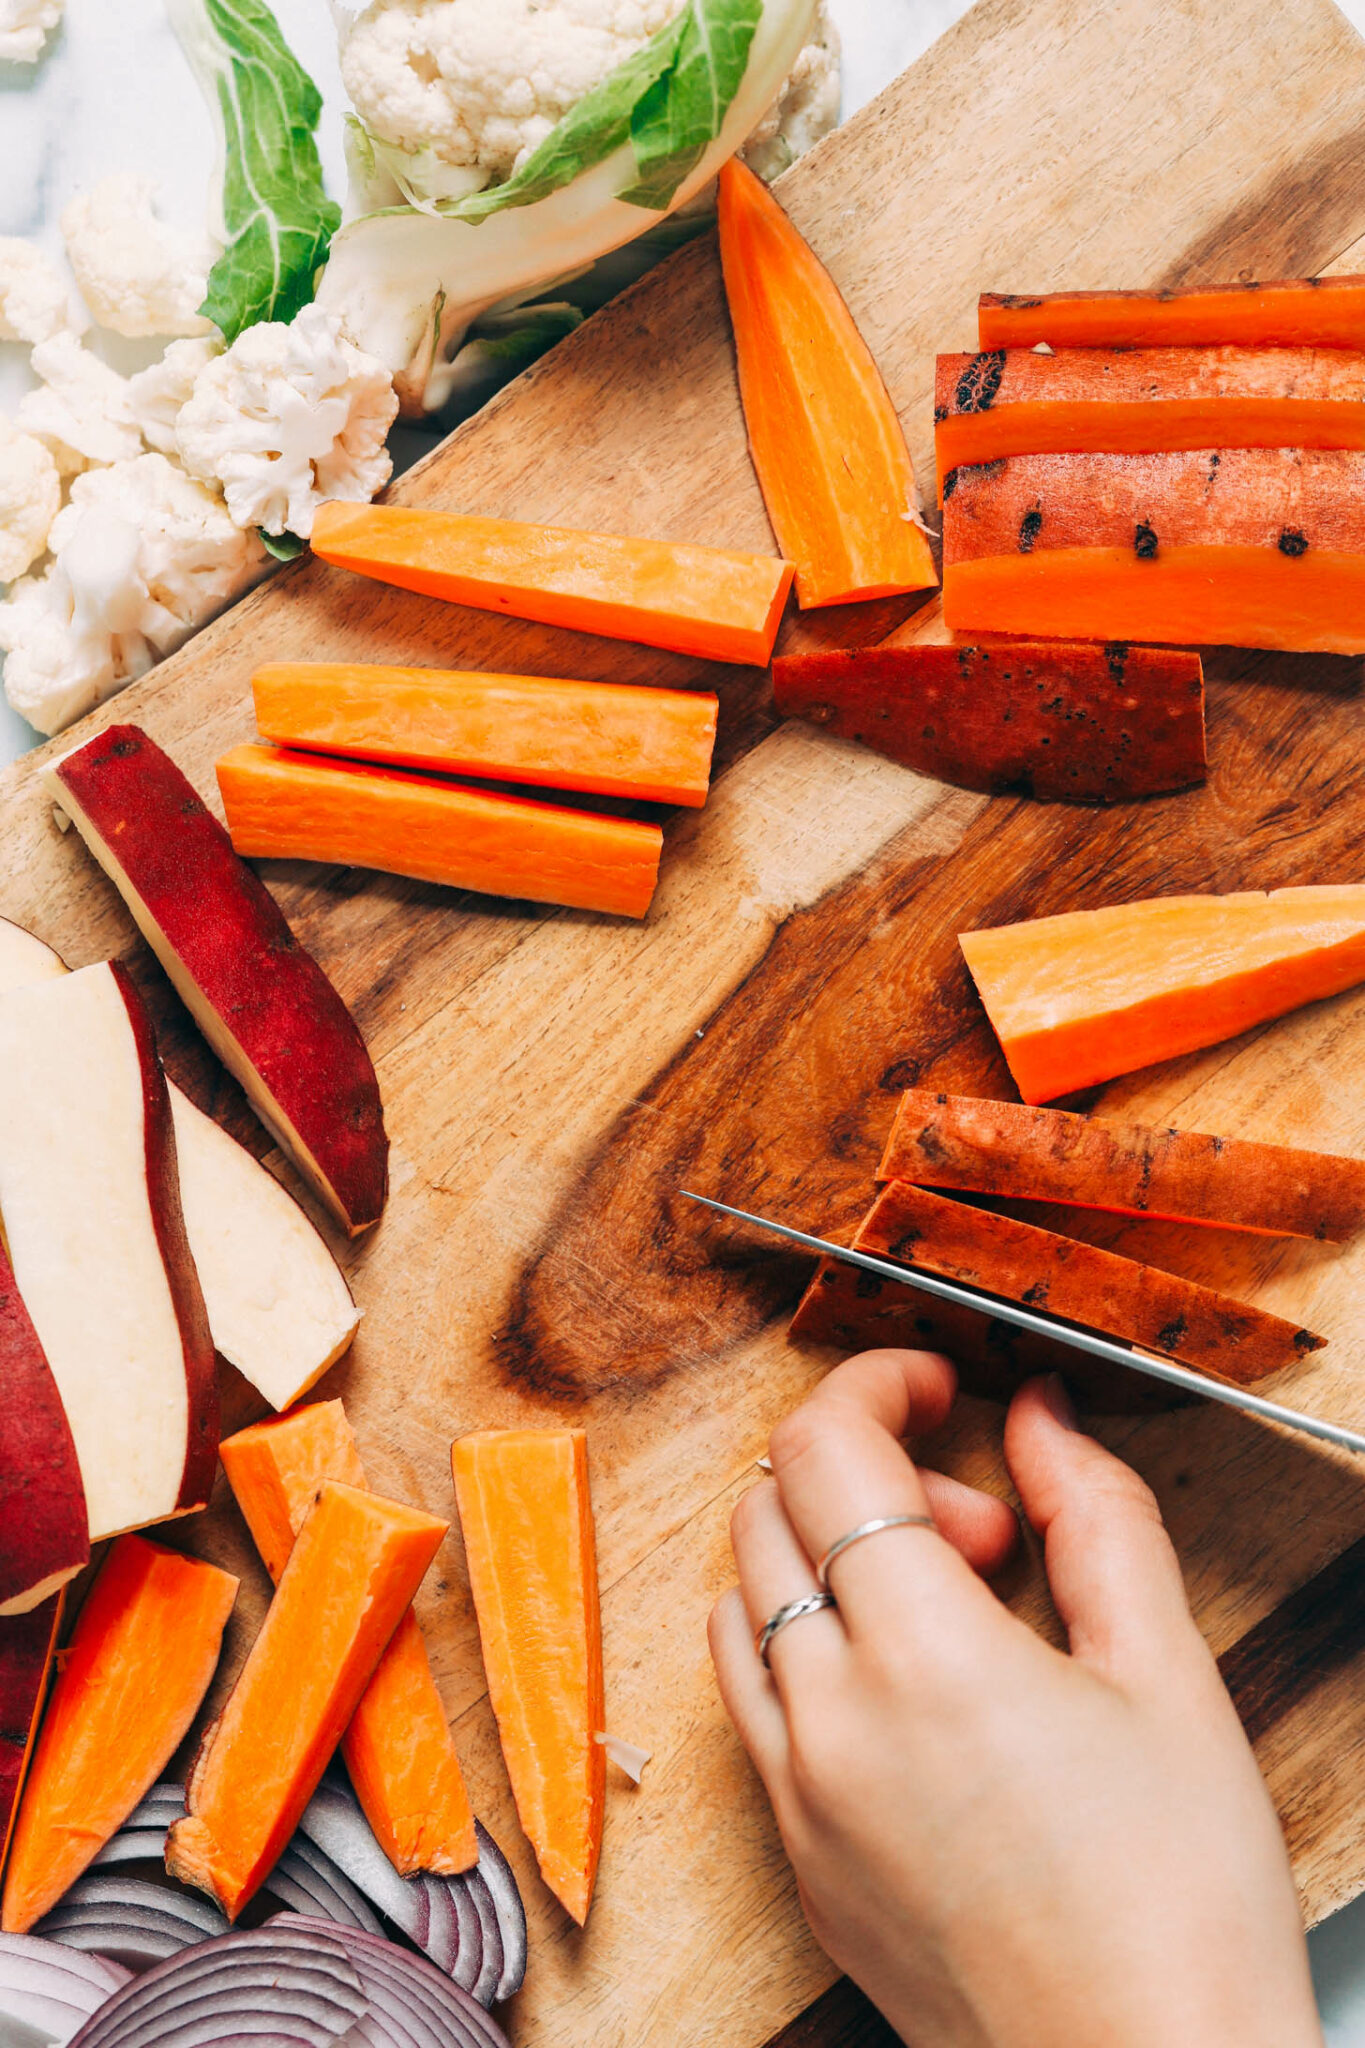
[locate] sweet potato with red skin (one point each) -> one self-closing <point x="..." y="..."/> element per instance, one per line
<point x="266" y="1006"/>
<point x="1051" y="1155"/>
<point x="28" y="1650"/>
<point x="1141" y="401"/>
<point x="1244" y="547"/>
<point x="1116" y="1296"/>
<point x="42" y="1500"/>
<point x="858" y="1311"/>
<point x="1049" y="719"/>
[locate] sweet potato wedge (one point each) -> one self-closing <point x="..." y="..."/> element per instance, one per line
<point x="1050" y="719"/>
<point x="1118" y="1297"/>
<point x="1288" y="312"/>
<point x="1050" y="1155"/>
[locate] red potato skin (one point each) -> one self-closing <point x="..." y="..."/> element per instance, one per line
<point x="1079" y="1282"/>
<point x="217" y="917"/>
<point x="1060" y="721"/>
<point x="1052" y="1155"/>
<point x="168" y="1220"/>
<point x="28" y="1646"/>
<point x="42" y="1499"/>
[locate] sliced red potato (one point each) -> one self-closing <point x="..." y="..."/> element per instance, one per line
<point x="264" y="1004"/>
<point x="91" y="1204"/>
<point x="46" y="1537"/>
<point x="278" y="1307"/>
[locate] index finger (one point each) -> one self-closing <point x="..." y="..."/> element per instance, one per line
<point x="839" y="1462"/>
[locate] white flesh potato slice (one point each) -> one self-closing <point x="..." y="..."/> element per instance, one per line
<point x="91" y="1212"/>
<point x="279" y="1307"/>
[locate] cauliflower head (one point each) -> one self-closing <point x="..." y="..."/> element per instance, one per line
<point x="35" y="302"/>
<point x="483" y="86"/>
<point x="81" y="409"/>
<point x="30" y="494"/>
<point x="286" y="418"/>
<point x="142" y="554"/>
<point x="25" y="26"/>
<point x="157" y="394"/>
<point x="137" y="274"/>
<point x="807" y="106"/>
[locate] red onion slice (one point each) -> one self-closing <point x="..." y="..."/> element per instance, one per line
<point x="311" y="1883"/>
<point x="286" y="1985"/>
<point x="409" y="1997"/>
<point x="496" y="1873"/>
<point x="485" y="1985"/>
<point x="133" y="1921"/>
<point x="46" y="1992"/>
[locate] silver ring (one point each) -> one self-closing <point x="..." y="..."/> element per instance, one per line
<point x="869" y="1529"/>
<point x="809" y="1603"/>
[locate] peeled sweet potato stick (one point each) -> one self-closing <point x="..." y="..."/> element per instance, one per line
<point x="1292" y="312"/>
<point x="712" y="602"/>
<point x="289" y="806"/>
<point x="350" y="1578"/>
<point x="615" y="739"/>
<point x="144" y="1649"/>
<point x="1050" y="1155"/>
<point x="827" y="445"/>
<point x="1079" y="1282"/>
<point x="526" y="1515"/>
<point x="28" y="1650"/>
<point x="397" y="1748"/>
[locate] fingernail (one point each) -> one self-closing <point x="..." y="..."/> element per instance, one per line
<point x="1059" y="1403"/>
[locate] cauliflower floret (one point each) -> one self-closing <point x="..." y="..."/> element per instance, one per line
<point x="25" y="26"/>
<point x="35" y="301"/>
<point x="807" y="106"/>
<point x="30" y="493"/>
<point x="157" y="394"/>
<point x="287" y="417"/>
<point x="137" y="274"/>
<point x="484" y="85"/>
<point x="142" y="555"/>
<point x="81" y="409"/>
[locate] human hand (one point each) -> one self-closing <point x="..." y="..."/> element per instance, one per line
<point x="1005" y="1846"/>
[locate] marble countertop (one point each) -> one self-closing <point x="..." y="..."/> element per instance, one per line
<point x="112" y="93"/>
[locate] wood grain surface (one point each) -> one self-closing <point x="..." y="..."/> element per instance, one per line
<point x="552" y="1078"/>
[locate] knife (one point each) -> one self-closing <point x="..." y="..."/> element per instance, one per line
<point x="1049" y="1326"/>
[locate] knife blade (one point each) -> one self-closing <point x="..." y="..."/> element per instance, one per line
<point x="1044" y="1325"/>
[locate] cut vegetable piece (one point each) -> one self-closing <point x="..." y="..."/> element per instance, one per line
<point x="1089" y="994"/>
<point x="1294" y="312"/>
<point x="285" y="1985"/>
<point x="42" y="1501"/>
<point x="350" y="1578"/>
<point x="264" y="1004"/>
<point x="1046" y="719"/>
<point x="859" y="1311"/>
<point x="1246" y="547"/>
<point x="47" y="1993"/>
<point x="1079" y="1282"/>
<point x="129" y="1919"/>
<point x="397" y="1748"/>
<point x="28" y="1649"/>
<point x="91" y="1201"/>
<point x="412" y="2003"/>
<point x="1049" y="1155"/>
<point x="711" y="602"/>
<point x="145" y="1646"/>
<point x="831" y="457"/>
<point x="278" y="1307"/>
<point x="612" y="738"/>
<point x="1139" y="401"/>
<point x="526" y="1515"/>
<point x="296" y="806"/>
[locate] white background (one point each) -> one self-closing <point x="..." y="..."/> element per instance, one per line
<point x="113" y="94"/>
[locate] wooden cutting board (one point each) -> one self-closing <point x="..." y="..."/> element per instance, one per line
<point x="552" y="1078"/>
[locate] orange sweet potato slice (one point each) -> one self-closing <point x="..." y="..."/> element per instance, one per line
<point x="1292" y="312"/>
<point x="526" y="1515"/>
<point x="1051" y="1155"/>
<point x="397" y="1747"/>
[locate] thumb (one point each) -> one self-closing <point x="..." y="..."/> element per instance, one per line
<point x="1113" y="1571"/>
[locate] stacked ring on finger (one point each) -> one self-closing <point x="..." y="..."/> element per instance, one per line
<point x="793" y="1610"/>
<point x="864" y="1530"/>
